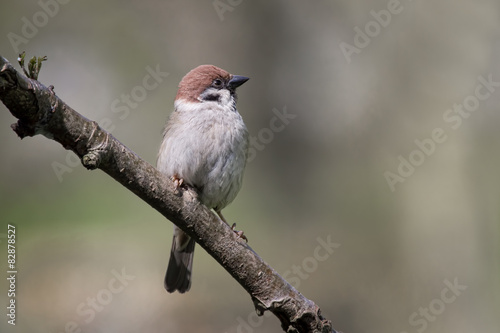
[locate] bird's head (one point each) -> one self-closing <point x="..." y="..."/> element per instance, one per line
<point x="208" y="83"/>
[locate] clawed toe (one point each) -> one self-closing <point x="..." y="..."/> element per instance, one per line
<point x="239" y="233"/>
<point x="178" y="182"/>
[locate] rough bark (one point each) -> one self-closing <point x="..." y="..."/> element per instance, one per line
<point x="40" y="111"/>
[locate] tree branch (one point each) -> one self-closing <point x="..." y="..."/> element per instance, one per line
<point x="40" y="111"/>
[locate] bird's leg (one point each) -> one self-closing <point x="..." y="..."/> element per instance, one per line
<point x="239" y="233"/>
<point x="221" y="216"/>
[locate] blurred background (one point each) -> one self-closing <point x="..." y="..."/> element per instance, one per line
<point x="351" y="85"/>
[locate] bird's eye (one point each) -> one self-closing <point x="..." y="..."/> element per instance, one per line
<point x="217" y="83"/>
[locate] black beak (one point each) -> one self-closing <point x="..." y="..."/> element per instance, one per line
<point x="237" y="81"/>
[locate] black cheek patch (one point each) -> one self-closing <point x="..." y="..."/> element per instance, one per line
<point x="211" y="97"/>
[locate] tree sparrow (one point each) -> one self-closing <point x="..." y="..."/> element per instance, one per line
<point x="204" y="146"/>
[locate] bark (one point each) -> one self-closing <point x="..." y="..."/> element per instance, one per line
<point x="40" y="111"/>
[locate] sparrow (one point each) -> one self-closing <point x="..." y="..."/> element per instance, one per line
<point x="205" y="147"/>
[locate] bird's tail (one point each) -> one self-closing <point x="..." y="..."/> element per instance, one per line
<point x="180" y="266"/>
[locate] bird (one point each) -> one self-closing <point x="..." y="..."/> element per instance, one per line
<point x="205" y="147"/>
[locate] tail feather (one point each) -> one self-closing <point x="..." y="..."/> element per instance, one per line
<point x="180" y="265"/>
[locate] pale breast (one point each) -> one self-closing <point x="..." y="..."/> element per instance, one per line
<point x="206" y="145"/>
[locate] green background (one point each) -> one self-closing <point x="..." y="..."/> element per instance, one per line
<point x="321" y="176"/>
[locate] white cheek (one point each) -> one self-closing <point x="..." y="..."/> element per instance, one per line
<point x="225" y="97"/>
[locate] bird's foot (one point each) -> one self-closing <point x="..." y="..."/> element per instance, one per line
<point x="178" y="182"/>
<point x="239" y="233"/>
